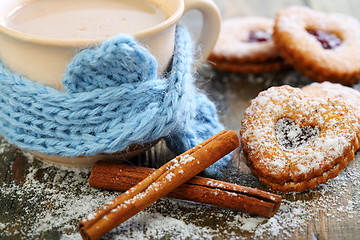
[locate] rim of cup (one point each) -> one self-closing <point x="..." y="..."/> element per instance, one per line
<point x="167" y="23"/>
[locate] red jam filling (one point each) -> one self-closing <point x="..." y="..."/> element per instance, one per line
<point x="327" y="40"/>
<point x="258" y="36"/>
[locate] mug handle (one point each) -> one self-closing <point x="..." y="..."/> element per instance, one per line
<point x="211" y="25"/>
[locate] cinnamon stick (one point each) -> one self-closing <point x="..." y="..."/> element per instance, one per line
<point x="121" y="177"/>
<point x="158" y="184"/>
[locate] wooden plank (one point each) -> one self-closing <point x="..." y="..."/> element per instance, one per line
<point x="328" y="212"/>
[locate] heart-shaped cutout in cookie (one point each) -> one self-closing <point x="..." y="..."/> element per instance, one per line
<point x="290" y="135"/>
<point x="327" y="43"/>
<point x="293" y="142"/>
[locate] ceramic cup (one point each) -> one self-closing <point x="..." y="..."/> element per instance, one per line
<point x="44" y="59"/>
<point x="43" y="56"/>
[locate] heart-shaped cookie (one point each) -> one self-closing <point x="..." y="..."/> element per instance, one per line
<point x="293" y="142"/>
<point x="245" y="45"/>
<point x="322" y="46"/>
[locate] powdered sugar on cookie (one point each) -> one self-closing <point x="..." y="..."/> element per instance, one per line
<point x="334" y="90"/>
<point x="296" y="36"/>
<point x="233" y="42"/>
<point x="245" y="45"/>
<point x="332" y="140"/>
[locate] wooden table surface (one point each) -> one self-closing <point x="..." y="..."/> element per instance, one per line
<point x="40" y="201"/>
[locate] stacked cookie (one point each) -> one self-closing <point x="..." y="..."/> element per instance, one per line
<point x="324" y="47"/>
<point x="295" y="139"/>
<point x="245" y="45"/>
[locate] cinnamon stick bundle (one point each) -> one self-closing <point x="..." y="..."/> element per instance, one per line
<point x="121" y="177"/>
<point x="158" y="184"/>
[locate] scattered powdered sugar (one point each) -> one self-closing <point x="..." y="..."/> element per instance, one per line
<point x="186" y="158"/>
<point x="290" y="135"/>
<point x="48" y="202"/>
<point x="170" y="175"/>
<point x="273" y="120"/>
<point x="215" y="184"/>
<point x="176" y="163"/>
<point x="335" y="90"/>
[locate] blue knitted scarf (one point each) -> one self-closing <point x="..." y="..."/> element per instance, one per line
<point x="112" y="99"/>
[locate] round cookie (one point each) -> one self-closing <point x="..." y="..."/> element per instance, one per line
<point x="334" y="90"/>
<point x="245" y="46"/>
<point x="293" y="142"/>
<point x="324" y="47"/>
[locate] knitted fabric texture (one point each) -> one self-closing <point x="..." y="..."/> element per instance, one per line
<point x="112" y="99"/>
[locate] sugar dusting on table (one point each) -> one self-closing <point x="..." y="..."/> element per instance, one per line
<point x="53" y="200"/>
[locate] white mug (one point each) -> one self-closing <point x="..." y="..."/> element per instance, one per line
<point x="43" y="57"/>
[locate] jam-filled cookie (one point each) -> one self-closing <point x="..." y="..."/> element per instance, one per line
<point x="334" y="90"/>
<point x="324" y="47"/>
<point x="293" y="142"/>
<point x="245" y="45"/>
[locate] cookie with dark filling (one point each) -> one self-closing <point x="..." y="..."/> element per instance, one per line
<point x="293" y="142"/>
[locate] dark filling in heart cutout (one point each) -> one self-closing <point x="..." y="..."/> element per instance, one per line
<point x="290" y="136"/>
<point x="258" y="36"/>
<point x="327" y="40"/>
